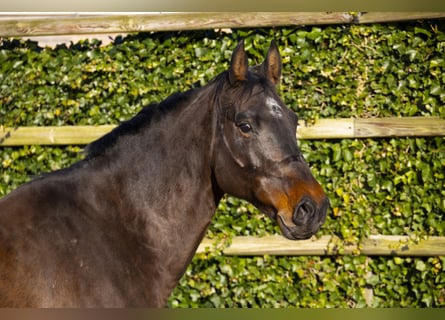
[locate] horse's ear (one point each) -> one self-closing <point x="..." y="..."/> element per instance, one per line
<point x="239" y="64"/>
<point x="272" y="65"/>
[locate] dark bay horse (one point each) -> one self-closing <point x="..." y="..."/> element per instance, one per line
<point x="120" y="227"/>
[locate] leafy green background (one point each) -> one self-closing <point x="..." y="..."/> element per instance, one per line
<point x="376" y="186"/>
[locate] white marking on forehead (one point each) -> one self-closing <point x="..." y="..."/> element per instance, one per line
<point x="274" y="107"/>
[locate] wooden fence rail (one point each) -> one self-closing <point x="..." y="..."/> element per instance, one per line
<point x="97" y="24"/>
<point x="72" y="24"/>
<point x="319" y="129"/>
<point x="380" y="245"/>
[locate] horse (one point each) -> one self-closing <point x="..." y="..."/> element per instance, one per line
<point x="119" y="227"/>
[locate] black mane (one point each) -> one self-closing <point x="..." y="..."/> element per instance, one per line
<point x="153" y="111"/>
<point x="141" y="120"/>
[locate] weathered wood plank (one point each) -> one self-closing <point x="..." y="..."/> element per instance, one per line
<point x="319" y="129"/>
<point x="326" y="128"/>
<point x="372" y="128"/>
<point x="378" y="17"/>
<point x="62" y="25"/>
<point x="66" y="135"/>
<point x="407" y="126"/>
<point x="53" y="29"/>
<point x="403" y="246"/>
<point x="376" y="245"/>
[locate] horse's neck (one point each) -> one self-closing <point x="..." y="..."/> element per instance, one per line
<point x="163" y="179"/>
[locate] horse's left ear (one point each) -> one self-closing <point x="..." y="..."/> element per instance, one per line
<point x="239" y="64"/>
<point x="272" y="64"/>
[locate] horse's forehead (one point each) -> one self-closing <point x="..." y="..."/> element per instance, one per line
<point x="267" y="103"/>
<point x="274" y="107"/>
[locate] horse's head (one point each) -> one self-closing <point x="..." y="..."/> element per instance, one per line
<point x="256" y="154"/>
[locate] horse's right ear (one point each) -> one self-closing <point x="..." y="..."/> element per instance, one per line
<point x="239" y="64"/>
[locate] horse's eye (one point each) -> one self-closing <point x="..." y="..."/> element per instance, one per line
<point x="245" y="127"/>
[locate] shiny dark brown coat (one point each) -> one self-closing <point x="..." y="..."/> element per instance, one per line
<point x="119" y="228"/>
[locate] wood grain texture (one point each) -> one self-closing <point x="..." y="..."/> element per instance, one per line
<point x="99" y="24"/>
<point x="66" y="135"/>
<point x="407" y="126"/>
<point x="326" y="129"/>
<point x="376" y="245"/>
<point x="377" y="17"/>
<point x="57" y="28"/>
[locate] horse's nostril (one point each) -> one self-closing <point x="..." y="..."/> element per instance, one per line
<point x="304" y="211"/>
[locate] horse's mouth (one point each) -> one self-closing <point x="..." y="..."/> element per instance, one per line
<point x="290" y="232"/>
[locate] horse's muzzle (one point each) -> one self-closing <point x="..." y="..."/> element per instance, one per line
<point x="307" y="218"/>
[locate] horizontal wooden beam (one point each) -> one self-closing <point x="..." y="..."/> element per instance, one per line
<point x="64" y="135"/>
<point x="376" y="245"/>
<point x="372" y="128"/>
<point x="379" y="17"/>
<point x="77" y="24"/>
<point x="392" y="127"/>
<point x="319" y="129"/>
<point x="126" y="23"/>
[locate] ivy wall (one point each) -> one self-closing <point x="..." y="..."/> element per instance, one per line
<point x="393" y="186"/>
